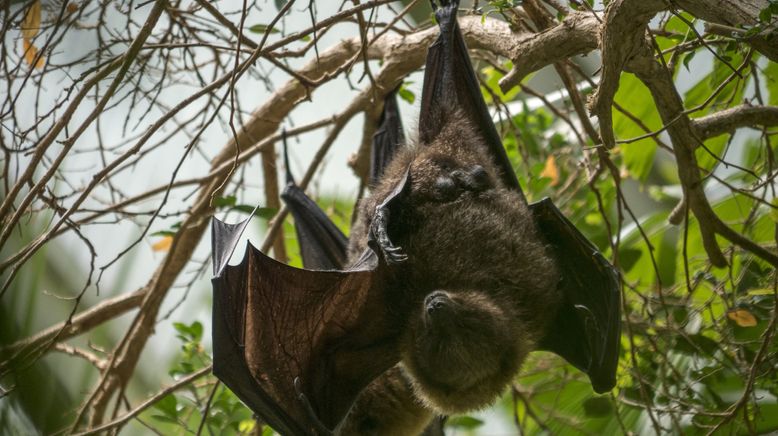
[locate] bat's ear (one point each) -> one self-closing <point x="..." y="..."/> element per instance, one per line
<point x="587" y="328"/>
<point x="224" y="239"/>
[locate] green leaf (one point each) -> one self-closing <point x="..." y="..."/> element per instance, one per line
<point x="224" y="201"/>
<point x="688" y="58"/>
<point x="597" y="407"/>
<point x="197" y="330"/>
<point x="246" y="426"/>
<point x="770" y="77"/>
<point x="163" y="233"/>
<point x="193" y="332"/>
<point x="164" y="418"/>
<point x="168" y="405"/>
<point x="406" y="95"/>
<point x="628" y="257"/>
<point x="465" y="422"/>
<point x="765" y="15"/>
<point x="638" y="156"/>
<point x="262" y="28"/>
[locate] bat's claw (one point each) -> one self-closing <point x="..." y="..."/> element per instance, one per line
<point x="394" y="254"/>
<point x="379" y="235"/>
<point x="319" y="426"/>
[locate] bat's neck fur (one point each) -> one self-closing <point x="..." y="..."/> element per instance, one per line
<point x="468" y="235"/>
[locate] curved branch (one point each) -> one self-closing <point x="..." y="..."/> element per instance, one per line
<point x="727" y="120"/>
<point x="81" y="323"/>
<point x="623" y="35"/>
<point x="575" y="35"/>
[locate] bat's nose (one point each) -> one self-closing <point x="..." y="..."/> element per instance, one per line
<point x="436" y="301"/>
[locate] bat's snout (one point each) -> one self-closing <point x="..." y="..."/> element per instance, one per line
<point x="437" y="302"/>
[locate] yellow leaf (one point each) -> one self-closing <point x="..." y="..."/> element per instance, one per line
<point x="246" y="426"/>
<point x="30" y="51"/>
<point x="32" y="21"/>
<point x="550" y="170"/>
<point x="163" y="244"/>
<point x="742" y="317"/>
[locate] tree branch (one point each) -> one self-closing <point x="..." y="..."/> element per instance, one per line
<point x="728" y="120"/>
<point x="575" y="35"/>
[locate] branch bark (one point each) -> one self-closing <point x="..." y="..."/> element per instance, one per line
<point x="728" y="120"/>
<point x="575" y="35"/>
<point x="81" y="323"/>
<point x="623" y="34"/>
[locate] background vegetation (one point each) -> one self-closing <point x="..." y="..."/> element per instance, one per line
<point x="126" y="125"/>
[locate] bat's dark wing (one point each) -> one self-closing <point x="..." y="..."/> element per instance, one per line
<point x="322" y="245"/>
<point x="450" y="84"/>
<point x="587" y="329"/>
<point x="387" y="139"/>
<point x="274" y="324"/>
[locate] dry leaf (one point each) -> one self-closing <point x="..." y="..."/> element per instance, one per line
<point x="163" y="244"/>
<point x="742" y="317"/>
<point x="30" y="27"/>
<point x="550" y="170"/>
<point x="30" y="51"/>
<point x="32" y="21"/>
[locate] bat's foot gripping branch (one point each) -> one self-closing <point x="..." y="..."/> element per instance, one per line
<point x="446" y="13"/>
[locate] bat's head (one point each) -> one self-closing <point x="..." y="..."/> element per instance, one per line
<point x="462" y="349"/>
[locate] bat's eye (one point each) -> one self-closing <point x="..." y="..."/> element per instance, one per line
<point x="480" y="176"/>
<point x="445" y="188"/>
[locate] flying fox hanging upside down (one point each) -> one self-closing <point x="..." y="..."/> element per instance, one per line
<point x="473" y="317"/>
<point x="450" y="280"/>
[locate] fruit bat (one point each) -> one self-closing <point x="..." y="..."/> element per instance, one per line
<point x="449" y="272"/>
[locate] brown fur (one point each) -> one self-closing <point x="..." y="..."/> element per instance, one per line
<point x="387" y="407"/>
<point x="479" y="246"/>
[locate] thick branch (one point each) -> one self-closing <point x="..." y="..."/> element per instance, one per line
<point x="575" y="35"/>
<point x="684" y="140"/>
<point x="726" y="121"/>
<point x="623" y="35"/>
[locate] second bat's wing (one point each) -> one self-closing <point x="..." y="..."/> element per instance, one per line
<point x="297" y="346"/>
<point x="450" y="84"/>
<point x="387" y="139"/>
<point x="587" y="328"/>
<point x="322" y="245"/>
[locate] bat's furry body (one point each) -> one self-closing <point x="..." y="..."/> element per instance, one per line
<point x="482" y="284"/>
